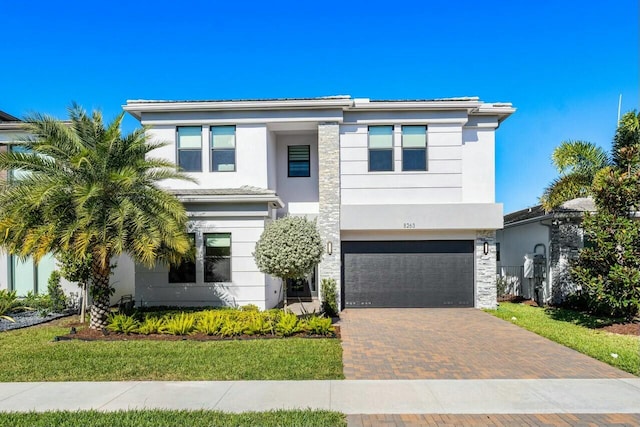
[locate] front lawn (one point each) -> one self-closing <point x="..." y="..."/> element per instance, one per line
<point x="577" y="331"/>
<point x="31" y="355"/>
<point x="152" y="418"/>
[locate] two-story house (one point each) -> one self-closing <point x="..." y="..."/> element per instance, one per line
<point x="403" y="192"/>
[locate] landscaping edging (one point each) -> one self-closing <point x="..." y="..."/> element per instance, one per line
<point x="26" y="319"/>
<point x="92" y="335"/>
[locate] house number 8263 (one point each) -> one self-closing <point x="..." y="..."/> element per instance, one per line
<point x="409" y="225"/>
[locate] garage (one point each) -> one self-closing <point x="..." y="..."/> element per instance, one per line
<point x="433" y="273"/>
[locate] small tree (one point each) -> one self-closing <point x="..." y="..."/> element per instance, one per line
<point x="77" y="270"/>
<point x="329" y="290"/>
<point x="289" y="248"/>
<point x="608" y="270"/>
<point x="56" y="294"/>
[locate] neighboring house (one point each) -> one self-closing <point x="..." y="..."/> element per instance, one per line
<point x="22" y="275"/>
<point x="556" y="235"/>
<point x="403" y="192"/>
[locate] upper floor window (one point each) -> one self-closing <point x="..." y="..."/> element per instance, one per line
<point x="223" y="148"/>
<point x="414" y="148"/>
<point x="190" y="148"/>
<point x="217" y="257"/>
<point x="185" y="272"/>
<point x="380" y="148"/>
<point x="299" y="160"/>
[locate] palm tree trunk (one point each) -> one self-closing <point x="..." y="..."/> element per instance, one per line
<point x="83" y="307"/>
<point x="101" y="294"/>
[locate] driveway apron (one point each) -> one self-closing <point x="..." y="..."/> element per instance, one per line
<point x="449" y="343"/>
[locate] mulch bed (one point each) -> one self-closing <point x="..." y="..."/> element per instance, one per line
<point x="86" y="334"/>
<point x="623" y="328"/>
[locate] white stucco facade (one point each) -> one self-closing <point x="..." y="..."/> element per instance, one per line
<point x="453" y="199"/>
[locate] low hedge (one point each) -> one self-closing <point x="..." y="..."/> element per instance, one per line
<point x="222" y="323"/>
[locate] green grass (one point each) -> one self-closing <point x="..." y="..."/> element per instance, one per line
<point x="577" y="331"/>
<point x="172" y="418"/>
<point x="33" y="356"/>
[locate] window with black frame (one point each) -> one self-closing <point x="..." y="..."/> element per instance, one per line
<point x="414" y="148"/>
<point x="380" y="148"/>
<point x="190" y="148"/>
<point x="217" y="257"/>
<point x="223" y="148"/>
<point x="299" y="161"/>
<point x="185" y="272"/>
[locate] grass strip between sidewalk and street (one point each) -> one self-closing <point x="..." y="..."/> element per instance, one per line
<point x="576" y="330"/>
<point x="32" y="355"/>
<point x="200" y="418"/>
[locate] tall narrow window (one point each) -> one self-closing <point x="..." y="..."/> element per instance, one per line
<point x="414" y="148"/>
<point x="223" y="148"/>
<point x="27" y="277"/>
<point x="380" y="148"/>
<point x="217" y="257"/>
<point x="299" y="161"/>
<point x="185" y="272"/>
<point x="190" y="148"/>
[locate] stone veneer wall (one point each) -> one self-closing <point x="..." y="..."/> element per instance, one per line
<point x="486" y="291"/>
<point x="566" y="237"/>
<point x="329" y="195"/>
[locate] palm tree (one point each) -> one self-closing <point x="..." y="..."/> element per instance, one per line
<point x="91" y="191"/>
<point x="577" y="163"/>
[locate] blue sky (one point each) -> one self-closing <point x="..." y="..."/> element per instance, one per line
<point x="562" y="64"/>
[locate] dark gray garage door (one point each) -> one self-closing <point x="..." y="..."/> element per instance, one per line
<point x="435" y="273"/>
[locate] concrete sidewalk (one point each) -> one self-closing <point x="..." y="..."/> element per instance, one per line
<point x="594" y="396"/>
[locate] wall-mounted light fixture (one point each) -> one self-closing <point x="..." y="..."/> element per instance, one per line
<point x="485" y="248"/>
<point x="329" y="248"/>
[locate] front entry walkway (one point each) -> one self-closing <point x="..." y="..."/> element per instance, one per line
<point x="450" y="343"/>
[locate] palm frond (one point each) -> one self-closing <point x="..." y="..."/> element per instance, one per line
<point x="565" y="188"/>
<point x="90" y="190"/>
<point x="579" y="156"/>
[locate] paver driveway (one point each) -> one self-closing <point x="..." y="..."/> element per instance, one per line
<point x="450" y="343"/>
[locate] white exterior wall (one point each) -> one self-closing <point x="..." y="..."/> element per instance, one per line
<point x="299" y="194"/>
<point x="4" y="271"/>
<point x="272" y="162"/>
<point x="251" y="158"/>
<point x="123" y="278"/>
<point x="516" y="241"/>
<point x="478" y="163"/>
<point x="441" y="183"/>
<point x="247" y="285"/>
<point x="459" y="178"/>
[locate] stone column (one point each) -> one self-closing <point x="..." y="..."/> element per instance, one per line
<point x="486" y="291"/>
<point x="329" y="192"/>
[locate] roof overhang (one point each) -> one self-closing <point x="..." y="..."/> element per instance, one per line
<point x="230" y="198"/>
<point x="137" y="107"/>
<point x="12" y="126"/>
<point x="472" y="105"/>
<point x="500" y="110"/>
